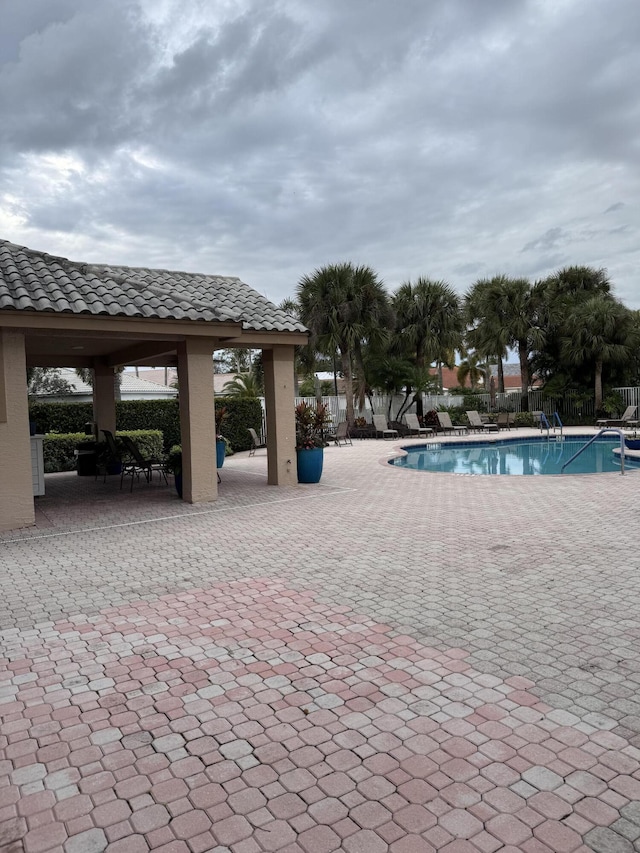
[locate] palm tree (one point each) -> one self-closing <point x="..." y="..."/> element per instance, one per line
<point x="469" y="368"/>
<point x="484" y="310"/>
<point x="505" y="313"/>
<point x="306" y="356"/>
<point x="600" y="331"/>
<point x="556" y="299"/>
<point x="428" y="322"/>
<point x="242" y="385"/>
<point x="344" y="306"/>
<point x="524" y="333"/>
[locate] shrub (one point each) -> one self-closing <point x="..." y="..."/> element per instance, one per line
<point x="163" y="415"/>
<point x="525" y="419"/>
<point x="58" y="448"/>
<point x="474" y="402"/>
<point x="65" y="418"/>
<point x="457" y="413"/>
<point x="241" y="414"/>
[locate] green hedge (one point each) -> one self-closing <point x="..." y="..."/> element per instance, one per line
<point x="64" y="418"/>
<point x="241" y="414"/>
<point x="58" y="448"/>
<point x="58" y="451"/>
<point x="163" y="415"/>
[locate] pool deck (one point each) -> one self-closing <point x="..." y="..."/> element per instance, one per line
<point x="391" y="660"/>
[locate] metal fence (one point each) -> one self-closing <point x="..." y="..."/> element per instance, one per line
<point x="631" y="396"/>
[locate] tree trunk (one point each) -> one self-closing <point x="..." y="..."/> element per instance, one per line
<point x="440" y="377"/>
<point x="348" y="386"/>
<point x="523" y="354"/>
<point x="598" y="386"/>
<point x="500" y="375"/>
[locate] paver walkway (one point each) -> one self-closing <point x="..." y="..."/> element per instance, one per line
<point x="389" y="661"/>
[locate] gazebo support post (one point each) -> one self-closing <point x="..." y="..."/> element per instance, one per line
<point x="197" y="420"/>
<point x="16" y="489"/>
<point x="281" y="428"/>
<point x="104" y="398"/>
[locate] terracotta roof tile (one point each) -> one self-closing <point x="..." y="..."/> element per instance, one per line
<point x="36" y="281"/>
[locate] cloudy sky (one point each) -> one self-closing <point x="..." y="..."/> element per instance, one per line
<point x="454" y="139"/>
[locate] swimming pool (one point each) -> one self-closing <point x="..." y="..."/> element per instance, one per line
<point x="516" y="457"/>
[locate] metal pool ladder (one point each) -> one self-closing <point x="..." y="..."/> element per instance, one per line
<point x="556" y="423"/>
<point x="591" y="440"/>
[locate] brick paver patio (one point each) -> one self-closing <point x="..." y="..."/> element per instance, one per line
<point x="388" y="661"/>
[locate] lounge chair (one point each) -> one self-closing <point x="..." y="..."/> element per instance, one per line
<point x="341" y="435"/>
<point x="476" y="423"/>
<point x="382" y="427"/>
<point x="505" y="420"/>
<point x="256" y="444"/>
<point x="444" y="420"/>
<point x="139" y="464"/>
<point x="625" y="420"/>
<point x="414" y="425"/>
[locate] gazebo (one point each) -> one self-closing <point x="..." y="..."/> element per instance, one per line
<point x="59" y="313"/>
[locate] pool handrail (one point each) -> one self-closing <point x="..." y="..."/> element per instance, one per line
<point x="591" y="440"/>
<point x="556" y="420"/>
<point x="544" y="423"/>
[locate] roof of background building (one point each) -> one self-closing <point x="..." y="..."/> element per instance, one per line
<point x="129" y="384"/>
<point x="36" y="281"/>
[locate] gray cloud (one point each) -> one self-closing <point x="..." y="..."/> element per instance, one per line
<point x="452" y="139"/>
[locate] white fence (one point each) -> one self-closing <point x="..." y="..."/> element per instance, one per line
<point x="573" y="407"/>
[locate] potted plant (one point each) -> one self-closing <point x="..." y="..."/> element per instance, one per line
<point x="174" y="465"/>
<point x="221" y="442"/>
<point x="311" y="423"/>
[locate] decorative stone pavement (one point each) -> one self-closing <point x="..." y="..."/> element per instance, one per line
<point x="390" y="661"/>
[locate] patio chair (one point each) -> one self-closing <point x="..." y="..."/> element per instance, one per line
<point x="111" y="462"/>
<point x="444" y="421"/>
<point x="256" y="444"/>
<point x="504" y="420"/>
<point x="138" y="464"/>
<point x="625" y="420"/>
<point x="414" y="425"/>
<point x="382" y="427"/>
<point x="476" y="423"/>
<point x="341" y="435"/>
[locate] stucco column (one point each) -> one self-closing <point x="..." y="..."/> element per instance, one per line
<point x="16" y="488"/>
<point x="104" y="397"/>
<point x="281" y="426"/>
<point x="197" y="420"/>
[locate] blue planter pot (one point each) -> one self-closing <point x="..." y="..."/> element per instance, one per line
<point x="310" y="464"/>
<point x="221" y="449"/>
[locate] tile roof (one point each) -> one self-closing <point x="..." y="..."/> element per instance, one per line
<point x="129" y="384"/>
<point x="36" y="281"/>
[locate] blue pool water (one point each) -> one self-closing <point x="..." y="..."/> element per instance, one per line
<point x="516" y="457"/>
